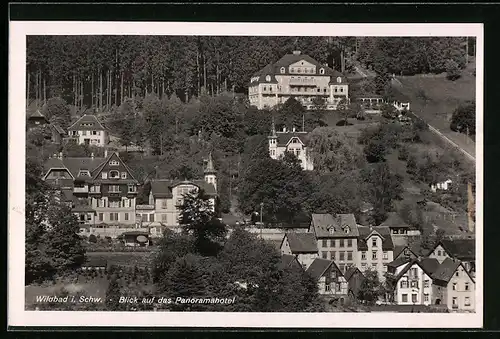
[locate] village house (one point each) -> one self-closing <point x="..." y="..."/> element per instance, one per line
<point x="167" y="195"/>
<point x="87" y="130"/>
<point x="354" y="278"/>
<point x="38" y="121"/>
<point x="375" y="249"/>
<point x="459" y="249"/>
<point x="293" y="141"/>
<point x="330" y="279"/>
<point x="441" y="186"/>
<point x="303" y="246"/>
<point x="337" y="238"/>
<point x="299" y="76"/>
<point x="454" y="286"/>
<point x="289" y="261"/>
<point x="413" y="283"/>
<point x="103" y="190"/>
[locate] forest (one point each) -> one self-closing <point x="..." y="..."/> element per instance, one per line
<point x="101" y="71"/>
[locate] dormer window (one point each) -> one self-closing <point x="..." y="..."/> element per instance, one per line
<point x="114" y="163"/>
<point x="332" y="230"/>
<point x="268" y="78"/>
<point x="347" y="229"/>
<point x="124" y="175"/>
<point x="282" y="70"/>
<point x="322" y="71"/>
<point x="339" y="80"/>
<point x="114" y="174"/>
<point x="84" y="173"/>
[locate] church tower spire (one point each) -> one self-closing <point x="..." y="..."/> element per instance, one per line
<point x="210" y="172"/>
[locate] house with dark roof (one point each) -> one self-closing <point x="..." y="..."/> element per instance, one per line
<point x="289" y="261"/>
<point x="454" y="286"/>
<point x="101" y="190"/>
<point x="413" y="283"/>
<point x="354" y="278"/>
<point x="293" y="141"/>
<point x="331" y="280"/>
<point x="38" y="121"/>
<point x="337" y="237"/>
<point x="167" y="195"/>
<point x="463" y="250"/>
<point x="88" y="130"/>
<point x="375" y="249"/>
<point x="303" y="246"/>
<point x="299" y="76"/>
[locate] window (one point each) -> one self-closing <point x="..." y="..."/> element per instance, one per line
<point x="349" y="242"/>
<point x="457" y="274"/>
<point x="327" y="287"/>
<point x="385" y="255"/>
<point x="163" y="217"/>
<point x="454" y="301"/>
<point x="426" y="283"/>
<point x="374" y="266"/>
<point x="341" y="243"/>
<point x="293" y="70"/>
<point x="374" y="242"/>
<point x="324" y="243"/>
<point x="363" y="255"/>
<point x="84" y="173"/>
<point x="414" y="284"/>
<point x="342" y="267"/>
<point x="113" y="216"/>
<point x="126" y="203"/>
<point x="94" y="132"/>
<point x="332" y="243"/>
<point x="404" y="298"/>
<point x="335" y="89"/>
<point x="114" y="188"/>
<point x="114" y="163"/>
<point x="114" y="204"/>
<point x="439" y="253"/>
<point x="151" y="217"/>
<point x="126" y="216"/>
<point x="341" y="256"/>
<point x="114" y="174"/>
<point x="414" y="272"/>
<point x="467" y="301"/>
<point x="131" y="188"/>
<point x="363" y="265"/>
<point x="349" y="255"/>
<point x="385" y="268"/>
<point x="374" y="255"/>
<point x="322" y="71"/>
<point x="454" y="286"/>
<point x="467" y="287"/>
<point x="273" y="152"/>
<point x="84" y="133"/>
<point x="268" y="78"/>
<point x="332" y="255"/>
<point x="404" y="284"/>
<point x="426" y="297"/>
<point x="413" y="298"/>
<point x="339" y="79"/>
<point x="144" y="217"/>
<point x="124" y="175"/>
<point x="164" y="203"/>
<point x="265" y="88"/>
<point x="104" y="175"/>
<point x="324" y="255"/>
<point x="282" y="70"/>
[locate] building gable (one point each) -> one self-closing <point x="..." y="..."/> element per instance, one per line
<point x="114" y="169"/>
<point x="52" y="171"/>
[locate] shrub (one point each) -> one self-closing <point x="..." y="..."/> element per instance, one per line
<point x="92" y="238"/>
<point x="375" y="151"/>
<point x="452" y="70"/>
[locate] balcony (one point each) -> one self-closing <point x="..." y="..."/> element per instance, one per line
<point x="81" y="189"/>
<point x="302" y="82"/>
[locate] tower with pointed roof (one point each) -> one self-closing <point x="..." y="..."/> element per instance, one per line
<point x="273" y="141"/>
<point x="210" y="172"/>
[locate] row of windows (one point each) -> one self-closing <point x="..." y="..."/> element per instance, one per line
<point x="113" y="189"/>
<point x="84" y="133"/>
<point x="105" y="203"/>
<point x="454" y="301"/>
<point x="342" y="243"/>
<point x="466" y="286"/>
<point x="414" y="297"/>
<point x="114" y="175"/>
<point x="336" y="287"/>
<point x="113" y="216"/>
<point x="343" y="256"/>
<point x="413" y="283"/>
<point x="302" y="70"/>
<point x="373" y="266"/>
<point x="385" y="255"/>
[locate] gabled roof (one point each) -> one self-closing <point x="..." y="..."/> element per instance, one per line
<point x="97" y="171"/>
<point x="461" y="249"/>
<point x="446" y="270"/>
<point x="430" y="264"/>
<point x="73" y="165"/>
<point x="366" y="233"/>
<point x="302" y="242"/>
<point x="288" y="260"/>
<point x="394" y="221"/>
<point x="350" y="272"/>
<point x="162" y="188"/>
<point x="323" y="223"/>
<point x="58" y="129"/>
<point x="38" y="114"/>
<point x="410" y="265"/>
<point x="79" y="125"/>
<point x="413" y="248"/>
<point x="399" y="261"/>
<point x="319" y="266"/>
<point x="284" y="138"/>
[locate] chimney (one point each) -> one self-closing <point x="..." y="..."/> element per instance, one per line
<point x="92" y="155"/>
<point x="293" y="129"/>
<point x="284" y="129"/>
<point x="296" y="52"/>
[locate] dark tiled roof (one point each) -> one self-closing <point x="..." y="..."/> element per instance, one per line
<point x="87" y="119"/>
<point x="163" y="188"/>
<point x="394" y="220"/>
<point x="287" y="260"/>
<point x="285" y="137"/>
<point x="430" y="264"/>
<point x="411" y="264"/>
<point x="365" y="232"/>
<point x="350" y="272"/>
<point x="399" y="261"/>
<point x="461" y="249"/>
<point x="74" y="165"/>
<point x="38" y="114"/>
<point x="59" y="129"/>
<point x="446" y="270"/>
<point x="322" y="224"/>
<point x="318" y="267"/>
<point x="302" y="242"/>
<point x="263" y="73"/>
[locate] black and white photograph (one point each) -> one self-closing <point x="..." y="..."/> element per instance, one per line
<point x="255" y="174"/>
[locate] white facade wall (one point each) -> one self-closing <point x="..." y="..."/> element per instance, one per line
<point x="418" y="290"/>
<point x="95" y="138"/>
<point x="375" y="258"/>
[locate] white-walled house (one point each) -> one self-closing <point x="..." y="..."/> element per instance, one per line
<point x="301" y="245"/>
<point x="331" y="280"/>
<point x="413" y="284"/>
<point x="441" y="186"/>
<point x="375" y="249"/>
<point x="87" y="130"/>
<point x="454" y="286"/>
<point x="293" y="141"/>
